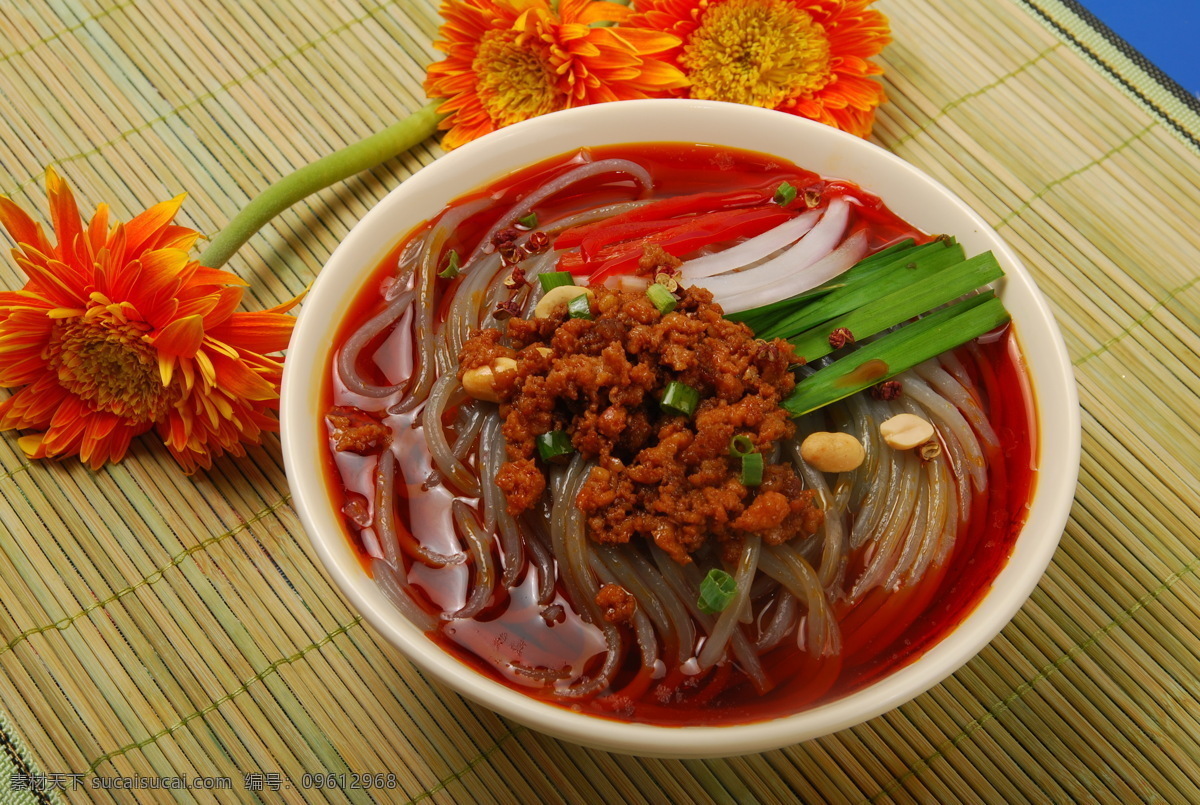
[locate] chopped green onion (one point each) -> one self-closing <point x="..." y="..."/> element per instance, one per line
<point x="785" y="194"/>
<point x="529" y="221"/>
<point x="451" y="269"/>
<point x="679" y="398"/>
<point x="555" y="279"/>
<point x="555" y="445"/>
<point x="716" y="591"/>
<point x="752" y="469"/>
<point x="580" y="307"/>
<point x="663" y="299"/>
<point x="741" y="445"/>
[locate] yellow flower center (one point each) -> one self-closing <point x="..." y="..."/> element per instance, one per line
<point x="758" y="52"/>
<point x="514" y="83"/>
<point x="103" y="360"/>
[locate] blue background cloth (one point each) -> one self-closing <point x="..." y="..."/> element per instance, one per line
<point x="1167" y="32"/>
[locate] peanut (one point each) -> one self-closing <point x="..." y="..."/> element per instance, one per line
<point x="558" y="296"/>
<point x="832" y="452"/>
<point x="480" y="382"/>
<point x="906" y="431"/>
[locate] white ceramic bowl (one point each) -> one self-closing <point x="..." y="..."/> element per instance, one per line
<point x="908" y="191"/>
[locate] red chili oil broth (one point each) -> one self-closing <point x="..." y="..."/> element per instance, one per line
<point x="881" y="633"/>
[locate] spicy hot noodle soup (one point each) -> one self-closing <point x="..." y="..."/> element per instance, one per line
<point x="593" y="489"/>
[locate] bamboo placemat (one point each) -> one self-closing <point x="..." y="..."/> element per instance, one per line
<point x="160" y="626"/>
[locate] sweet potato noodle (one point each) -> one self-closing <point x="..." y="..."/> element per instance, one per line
<point x="573" y="568"/>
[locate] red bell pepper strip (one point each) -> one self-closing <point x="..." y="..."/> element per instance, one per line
<point x="630" y="237"/>
<point x="608" y="236"/>
<point x="692" y="204"/>
<point x="685" y="238"/>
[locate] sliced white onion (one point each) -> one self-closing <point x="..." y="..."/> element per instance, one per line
<point x="752" y="250"/>
<point x="627" y="282"/>
<point x="853" y="249"/>
<point x="819" y="242"/>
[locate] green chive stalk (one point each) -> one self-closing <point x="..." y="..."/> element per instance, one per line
<point x="865" y="282"/>
<point x="900" y="305"/>
<point x="898" y="351"/>
<point x="934" y="298"/>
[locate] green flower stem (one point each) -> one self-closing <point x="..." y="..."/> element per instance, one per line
<point x="364" y="155"/>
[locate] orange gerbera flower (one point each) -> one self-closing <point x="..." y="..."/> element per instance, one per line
<point x="117" y="332"/>
<point x="806" y="57"/>
<point x="510" y="60"/>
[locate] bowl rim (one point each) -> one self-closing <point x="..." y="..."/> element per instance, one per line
<point x="1048" y="368"/>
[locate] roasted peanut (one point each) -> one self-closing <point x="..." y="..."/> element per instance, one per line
<point x="832" y="452"/>
<point x="480" y="382"/>
<point x="906" y="431"/>
<point x="558" y="296"/>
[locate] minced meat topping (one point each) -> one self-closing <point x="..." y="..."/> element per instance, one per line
<point x="658" y="475"/>
<point x="356" y="431"/>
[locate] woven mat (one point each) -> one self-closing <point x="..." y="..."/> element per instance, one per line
<point x="161" y="626"/>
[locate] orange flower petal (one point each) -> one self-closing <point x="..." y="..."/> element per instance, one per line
<point x="235" y="378"/>
<point x="65" y="434"/>
<point x="166" y="368"/>
<point x="161" y="268"/>
<point x="54" y="280"/>
<point x="219" y="306"/>
<point x="642" y="40"/>
<point x="112" y="448"/>
<point x="204" y="275"/>
<point x="284" y="307"/>
<point x="64" y="213"/>
<point x="182" y="337"/>
<point x="113" y="257"/>
<point x="256" y="332"/>
<point x="31" y="445"/>
<point x="20" y="370"/>
<point x="121" y="282"/>
<point x="22" y="227"/>
<point x="97" y="233"/>
<point x="147" y="225"/>
<point x="207" y="373"/>
<point x="174" y="237"/>
<point x="33" y="406"/>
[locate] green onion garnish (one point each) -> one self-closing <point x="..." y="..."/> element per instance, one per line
<point x="663" y="299"/>
<point x="716" y="591"/>
<point x="741" y="445"/>
<point x="553" y="446"/>
<point x="580" y="307"/>
<point x="554" y="279"/>
<point x="752" y="469"/>
<point x="529" y="221"/>
<point x="679" y="398"/>
<point x="451" y="269"/>
<point x="785" y="194"/>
